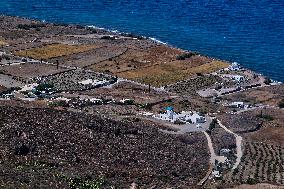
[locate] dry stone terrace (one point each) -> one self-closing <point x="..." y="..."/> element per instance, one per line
<point x="127" y="90"/>
<point x="243" y="122"/>
<point x="76" y="80"/>
<point x="191" y="86"/>
<point x="222" y="140"/>
<point x="71" y="144"/>
<point x="31" y="70"/>
<point x="261" y="163"/>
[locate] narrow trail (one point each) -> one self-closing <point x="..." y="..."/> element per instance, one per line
<point x="213" y="156"/>
<point x="238" y="144"/>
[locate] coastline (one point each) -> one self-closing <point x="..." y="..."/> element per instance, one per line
<point x="117" y="32"/>
<point x="134" y="36"/>
<point x="97" y="89"/>
<point x="122" y="33"/>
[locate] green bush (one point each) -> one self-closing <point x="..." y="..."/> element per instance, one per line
<point x="267" y="81"/>
<point x="44" y="87"/>
<point x="212" y="125"/>
<point x="81" y="183"/>
<point x="266" y="117"/>
<point x="178" y="122"/>
<point x="30" y="26"/>
<point x="281" y="104"/>
<point x="251" y="181"/>
<point x="59" y="103"/>
<point x="185" y="56"/>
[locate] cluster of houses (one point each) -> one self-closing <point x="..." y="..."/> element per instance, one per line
<point x="82" y="101"/>
<point x="184" y="117"/>
<point x="29" y="92"/>
<point x="234" y="67"/>
<point x="236" y="78"/>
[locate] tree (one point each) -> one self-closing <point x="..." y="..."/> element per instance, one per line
<point x="267" y="81"/>
<point x="212" y="125"/>
<point x="281" y="104"/>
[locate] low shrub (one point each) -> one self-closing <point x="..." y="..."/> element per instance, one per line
<point x="281" y="104"/>
<point x="185" y="56"/>
<point x="266" y="117"/>
<point x="30" y="26"/>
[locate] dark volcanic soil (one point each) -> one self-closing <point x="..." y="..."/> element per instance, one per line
<point x="43" y="148"/>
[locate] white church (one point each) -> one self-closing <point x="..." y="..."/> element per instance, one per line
<point x="186" y="117"/>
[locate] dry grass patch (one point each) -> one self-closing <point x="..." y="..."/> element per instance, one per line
<point x="210" y="67"/>
<point x="168" y="73"/>
<point x="55" y="50"/>
<point x="29" y="70"/>
<point x="2" y="42"/>
<point x="138" y="59"/>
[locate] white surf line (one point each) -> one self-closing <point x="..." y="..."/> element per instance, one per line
<point x="238" y="144"/>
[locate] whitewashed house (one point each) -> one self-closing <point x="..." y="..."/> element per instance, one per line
<point x="237" y="104"/>
<point x="170" y="115"/>
<point x="235" y="66"/>
<point x="186" y="117"/>
<point x="241" y="105"/>
<point x="196" y="118"/>
<point x="238" y="78"/>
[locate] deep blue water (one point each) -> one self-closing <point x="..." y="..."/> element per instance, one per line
<point x="250" y="32"/>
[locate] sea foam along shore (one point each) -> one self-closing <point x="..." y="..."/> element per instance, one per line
<point x="125" y="33"/>
<point x="155" y="40"/>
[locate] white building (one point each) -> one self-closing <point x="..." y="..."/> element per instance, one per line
<point x="238" y="78"/>
<point x="235" y="66"/>
<point x="186" y="117"/>
<point x="216" y="174"/>
<point x="240" y="105"/>
<point x="237" y="104"/>
<point x="170" y="115"/>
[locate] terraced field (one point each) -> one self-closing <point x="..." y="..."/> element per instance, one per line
<point x="31" y="70"/>
<point x="189" y="87"/>
<point x="169" y="73"/>
<point x="74" y="80"/>
<point x="44" y="148"/>
<point x="55" y="50"/>
<point x="261" y="163"/>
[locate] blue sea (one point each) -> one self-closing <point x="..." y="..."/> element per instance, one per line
<point x="250" y="32"/>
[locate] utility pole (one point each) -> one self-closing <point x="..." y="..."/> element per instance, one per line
<point x="57" y="64"/>
<point x="149" y="89"/>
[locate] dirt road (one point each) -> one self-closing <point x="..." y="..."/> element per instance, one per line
<point x="238" y="144"/>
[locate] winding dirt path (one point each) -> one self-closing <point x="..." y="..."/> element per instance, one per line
<point x="213" y="156"/>
<point x="238" y="144"/>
